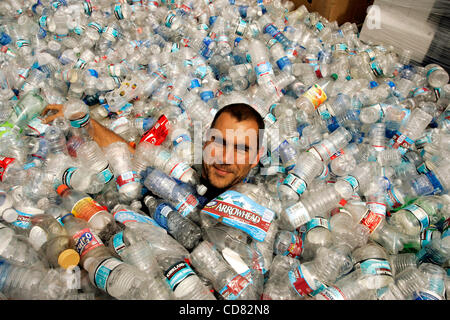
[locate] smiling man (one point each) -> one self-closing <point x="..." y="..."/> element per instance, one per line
<point x="233" y="147"/>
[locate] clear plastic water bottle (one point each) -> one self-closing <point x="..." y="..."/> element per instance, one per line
<point x="181" y="228"/>
<point x="434" y="287"/>
<point x="180" y="196"/>
<point x="84" y="241"/>
<point x="229" y="283"/>
<point x="405" y="284"/>
<point x="372" y="265"/>
<point x="82" y="206"/>
<point x="436" y="75"/>
<point x="127" y="180"/>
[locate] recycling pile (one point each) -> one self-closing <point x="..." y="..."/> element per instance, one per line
<point x="349" y="201"/>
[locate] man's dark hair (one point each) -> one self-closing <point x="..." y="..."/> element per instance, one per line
<point x="241" y="112"/>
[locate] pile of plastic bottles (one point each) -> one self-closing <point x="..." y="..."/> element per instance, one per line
<point x="350" y="201"/>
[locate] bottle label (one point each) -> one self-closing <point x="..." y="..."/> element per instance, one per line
<point x="106" y="174"/>
<point x="316" y="95"/>
<point x="401" y="142"/>
<point x="161" y="213"/>
<point x="353" y="182"/>
<point x="295" y="183"/>
<point x="297" y="214"/>
<point x="81" y="122"/>
<point x="371" y="220"/>
<point x="431" y="71"/>
<point x="333" y="293"/>
<point x="283" y="62"/>
<point x="426" y="295"/>
<point x="376" y="69"/>
<point x="158" y="133"/>
<point x="85" y="241"/>
<point x="118" y="242"/>
<point x="377" y="207"/>
<point x="4" y="163"/>
<point x="38" y="126"/>
<point x="303" y="283"/>
<point x="233" y="289"/>
<point x="169" y="19"/>
<point x="124" y="216"/>
<point x="67" y="176"/>
<point x="391" y="198"/>
<point x="263" y="69"/>
<point x="187" y="205"/>
<point x="180" y="169"/>
<point x="420" y="214"/>
<point x="437" y="186"/>
<point x="23" y="220"/>
<point x="125" y="178"/>
<point x="178" y="273"/>
<point x="295" y="248"/>
<point x="180" y="139"/>
<point x="380" y="267"/>
<point x="241" y="26"/>
<point x="239" y="211"/>
<point x="446" y="229"/>
<point x="86" y="208"/>
<point x="103" y="272"/>
<point x="317" y="222"/>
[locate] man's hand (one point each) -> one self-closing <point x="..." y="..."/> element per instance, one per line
<point x="52" y="107"/>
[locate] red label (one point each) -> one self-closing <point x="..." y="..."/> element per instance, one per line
<point x="158" y="133"/>
<point x="4" y="163"/>
<point x="300" y="284"/>
<point x="296" y="248"/>
<point x="85" y="241"/>
<point x="371" y="220"/>
<point x="126" y="177"/>
<point x="234" y="288"/>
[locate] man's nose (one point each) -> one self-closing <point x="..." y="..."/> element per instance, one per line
<point x="228" y="155"/>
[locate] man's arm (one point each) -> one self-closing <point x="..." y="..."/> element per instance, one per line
<point x="103" y="136"/>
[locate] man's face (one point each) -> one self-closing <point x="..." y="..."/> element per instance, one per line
<point x="231" y="151"/>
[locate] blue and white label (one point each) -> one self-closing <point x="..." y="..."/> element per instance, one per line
<point x="118" y="242"/>
<point x="104" y="271"/>
<point x="420" y="214"/>
<point x="380" y="267"/>
<point x="178" y="273"/>
<point x="295" y="183"/>
<point x="124" y="216"/>
<point x="161" y="213"/>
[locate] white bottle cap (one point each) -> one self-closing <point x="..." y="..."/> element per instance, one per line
<point x="201" y="189"/>
<point x="37" y="237"/>
<point x="10" y="215"/>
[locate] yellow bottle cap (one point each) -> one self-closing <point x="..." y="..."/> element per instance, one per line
<point x="68" y="257"/>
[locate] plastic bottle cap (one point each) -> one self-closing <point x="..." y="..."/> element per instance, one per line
<point x="334" y="76"/>
<point x="61" y="188"/>
<point x="201" y="189"/>
<point x="10" y="215"/>
<point x="68" y="257"/>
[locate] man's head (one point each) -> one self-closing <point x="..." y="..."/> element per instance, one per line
<point x="233" y="146"/>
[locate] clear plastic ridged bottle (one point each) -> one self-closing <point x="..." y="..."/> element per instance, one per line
<point x="232" y="285"/>
<point x="329" y="146"/>
<point x="119" y="279"/>
<point x="434" y="278"/>
<point x="345" y="230"/>
<point x="307" y="168"/>
<point x="50" y="238"/>
<point x="402" y="261"/>
<point x="436" y="75"/>
<point x="82" y="206"/>
<point x="127" y="180"/>
<point x="288" y="243"/>
<point x="278" y="286"/>
<point x="318" y="203"/>
<point x="171" y="256"/>
<point x="178" y="195"/>
<point x="372" y="264"/>
<point x="181" y="228"/>
<point x="417" y="216"/>
<point x="18" y="250"/>
<point x="84" y="241"/>
<point x="405" y="284"/>
<point x="411" y="130"/>
<point x="347" y="288"/>
<point x="29" y="283"/>
<point x="91" y="155"/>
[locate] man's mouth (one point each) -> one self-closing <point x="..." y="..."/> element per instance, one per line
<point x="220" y="171"/>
